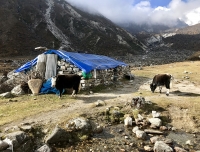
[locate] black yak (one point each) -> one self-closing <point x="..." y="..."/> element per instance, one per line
<point x="61" y="82"/>
<point x="161" y="80"/>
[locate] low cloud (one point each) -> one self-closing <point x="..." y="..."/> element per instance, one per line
<point x="126" y="11"/>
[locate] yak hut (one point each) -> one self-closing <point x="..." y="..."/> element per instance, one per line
<point x="94" y="69"/>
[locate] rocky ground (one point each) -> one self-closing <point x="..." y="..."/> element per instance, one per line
<point x="156" y="56"/>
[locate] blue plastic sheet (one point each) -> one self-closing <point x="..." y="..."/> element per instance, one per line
<point x="85" y="62"/>
<point x="46" y="88"/>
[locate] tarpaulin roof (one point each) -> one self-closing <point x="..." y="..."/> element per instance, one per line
<point x="85" y="62"/>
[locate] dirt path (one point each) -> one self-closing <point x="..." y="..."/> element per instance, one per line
<point x="121" y="94"/>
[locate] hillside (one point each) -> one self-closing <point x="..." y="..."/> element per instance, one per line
<point x="55" y="24"/>
<point x="186" y="38"/>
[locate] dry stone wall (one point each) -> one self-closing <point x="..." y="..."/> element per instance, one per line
<point x="95" y="77"/>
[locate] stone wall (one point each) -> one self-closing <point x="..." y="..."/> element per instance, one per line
<point x="96" y="77"/>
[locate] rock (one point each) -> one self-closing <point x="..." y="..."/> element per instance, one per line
<point x="188" y="142"/>
<point x="44" y="148"/>
<point x="140" y="134"/>
<point x="153" y="131"/>
<point x="98" y="129"/>
<point x="14" y="80"/>
<point x="155" y="121"/>
<point x="17" y="90"/>
<point x="152" y="126"/>
<point x="148" y="148"/>
<point x="128" y="121"/>
<point x="116" y="113"/>
<point x="137" y="102"/>
<point x="79" y="124"/>
<point x="3" y="145"/>
<point x="140" y="117"/>
<point x="26" y="128"/>
<point x="155" y="114"/>
<point x="100" y="103"/>
<point x="6" y="95"/>
<point x="20" y="140"/>
<point x="163" y="128"/>
<point x="58" y="135"/>
<point x="3" y="79"/>
<point x="135" y="129"/>
<point x="178" y="149"/>
<point x="173" y="129"/>
<point x="159" y="138"/>
<point x="160" y="146"/>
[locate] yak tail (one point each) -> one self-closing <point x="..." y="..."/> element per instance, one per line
<point x="79" y="87"/>
<point x="171" y="81"/>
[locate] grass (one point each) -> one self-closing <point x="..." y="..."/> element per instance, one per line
<point x="27" y="105"/>
<point x="176" y="69"/>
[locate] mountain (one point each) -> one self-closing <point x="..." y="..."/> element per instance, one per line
<point x="136" y="29"/>
<point x="185" y="38"/>
<point x="55" y="24"/>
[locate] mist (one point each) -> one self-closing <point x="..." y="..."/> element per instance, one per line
<point x="128" y="11"/>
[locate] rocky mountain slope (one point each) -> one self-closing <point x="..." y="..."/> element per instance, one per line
<point x="186" y="38"/>
<point x="55" y="24"/>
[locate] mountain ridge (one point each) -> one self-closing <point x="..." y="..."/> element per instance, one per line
<point x="58" y="25"/>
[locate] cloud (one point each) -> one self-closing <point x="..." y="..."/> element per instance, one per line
<point x="126" y="11"/>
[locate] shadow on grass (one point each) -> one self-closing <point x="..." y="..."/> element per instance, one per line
<point x="189" y="94"/>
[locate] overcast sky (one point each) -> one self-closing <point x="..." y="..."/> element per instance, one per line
<point x="144" y="11"/>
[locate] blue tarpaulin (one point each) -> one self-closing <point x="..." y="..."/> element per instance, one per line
<point x="85" y="62"/>
<point x="46" y="88"/>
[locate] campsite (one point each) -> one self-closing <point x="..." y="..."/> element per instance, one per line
<point x="179" y="110"/>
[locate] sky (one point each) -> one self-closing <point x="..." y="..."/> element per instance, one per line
<point x="165" y="12"/>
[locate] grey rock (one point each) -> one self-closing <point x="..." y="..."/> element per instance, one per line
<point x="44" y="148"/>
<point x="159" y="138"/>
<point x="18" y="138"/>
<point x="178" y="149"/>
<point x="26" y="128"/>
<point x="155" y="121"/>
<point x="6" y="95"/>
<point x="79" y="124"/>
<point x="160" y="146"/>
<point x="135" y="129"/>
<point x="140" y="134"/>
<point x="17" y="90"/>
<point x="3" y="145"/>
<point x="153" y="131"/>
<point x="58" y="135"/>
